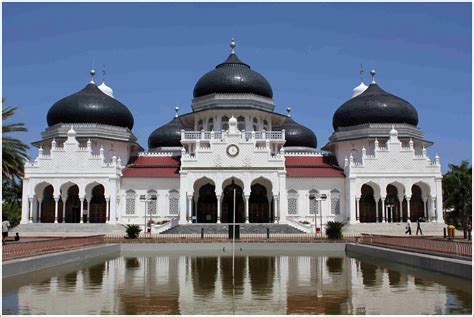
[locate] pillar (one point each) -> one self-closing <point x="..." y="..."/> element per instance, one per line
<point x="275" y="206"/>
<point x="432" y="207"/>
<point x="107" y="208"/>
<point x="40" y="203"/>
<point x="408" y="207"/>
<point x="247" y="198"/>
<point x="425" y="201"/>
<point x="400" y="215"/>
<point x="357" y="209"/>
<point x="113" y="202"/>
<point x="56" y="201"/>
<point x="25" y="210"/>
<point x="81" y="211"/>
<point x="219" y="208"/>
<point x="439" y="201"/>
<point x="64" y="208"/>
<point x="377" y="208"/>
<point x="189" y="207"/>
<point x="384" y="212"/>
<point x="30" y="210"/>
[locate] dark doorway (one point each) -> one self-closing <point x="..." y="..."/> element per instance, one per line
<point x="207" y="204"/>
<point x="73" y="205"/>
<point x="228" y="204"/>
<point x="48" y="205"/>
<point x="259" y="211"/>
<point x="367" y="205"/>
<point x="392" y="204"/>
<point x="416" y="203"/>
<point x="98" y="206"/>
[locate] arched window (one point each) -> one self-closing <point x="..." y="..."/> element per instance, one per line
<point x="130" y="202"/>
<point x="210" y="124"/>
<point x="200" y="125"/>
<point x="241" y="123"/>
<point x="225" y="123"/>
<point x="255" y="124"/>
<point x="313" y="203"/>
<point x="292" y="202"/>
<point x="152" y="198"/>
<point x="265" y="125"/>
<point x="335" y="202"/>
<point x="174" y="202"/>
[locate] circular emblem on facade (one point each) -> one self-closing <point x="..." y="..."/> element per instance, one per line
<point x="232" y="150"/>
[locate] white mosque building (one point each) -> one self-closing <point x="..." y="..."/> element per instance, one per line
<point x="90" y="168"/>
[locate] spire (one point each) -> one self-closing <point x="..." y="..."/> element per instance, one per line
<point x="233" y="44"/>
<point x="372" y="73"/>
<point x="177" y="110"/>
<point x="92" y="73"/>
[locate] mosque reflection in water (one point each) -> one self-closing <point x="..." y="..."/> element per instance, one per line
<point x="263" y="285"/>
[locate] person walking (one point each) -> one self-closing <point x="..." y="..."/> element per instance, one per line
<point x="418" y="226"/>
<point x="5" y="226"/>
<point x="408" y="227"/>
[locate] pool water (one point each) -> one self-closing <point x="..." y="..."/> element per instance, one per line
<point x="157" y="283"/>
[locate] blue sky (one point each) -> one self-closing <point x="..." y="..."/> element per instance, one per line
<point x="310" y="53"/>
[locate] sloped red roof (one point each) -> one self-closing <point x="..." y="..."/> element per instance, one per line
<point x="153" y="166"/>
<point x="312" y="166"/>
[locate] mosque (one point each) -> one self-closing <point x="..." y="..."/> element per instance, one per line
<point x="232" y="149"/>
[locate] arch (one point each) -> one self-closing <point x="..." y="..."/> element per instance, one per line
<point x="210" y="124"/>
<point x="292" y="202"/>
<point x="313" y="203"/>
<point x="265" y="125"/>
<point x="225" y="123"/>
<point x="65" y="187"/>
<point x="399" y="186"/>
<point x="417" y="203"/>
<point x="367" y="208"/>
<point x="200" y="125"/>
<point x="392" y="202"/>
<point x="198" y="183"/>
<point x="90" y="186"/>
<point x="73" y="205"/>
<point x="97" y="205"/>
<point x="47" y="204"/>
<point x="425" y="188"/>
<point x="227" y="215"/>
<point x="255" y="124"/>
<point x="229" y="181"/>
<point x="375" y="188"/>
<point x="130" y="202"/>
<point x="207" y="204"/>
<point x="39" y="188"/>
<point x="260" y="201"/>
<point x="241" y="123"/>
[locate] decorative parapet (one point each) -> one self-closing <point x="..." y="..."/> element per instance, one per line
<point x="216" y="101"/>
<point x="205" y="136"/>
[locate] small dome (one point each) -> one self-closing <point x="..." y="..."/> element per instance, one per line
<point x="168" y="135"/>
<point x="232" y="76"/>
<point x="297" y="134"/>
<point x="359" y="89"/>
<point x="90" y="105"/>
<point x="106" y="89"/>
<point x="374" y="105"/>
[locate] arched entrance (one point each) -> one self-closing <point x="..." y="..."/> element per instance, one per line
<point x="392" y="204"/>
<point x="97" y="205"/>
<point x="73" y="205"/>
<point x="228" y="204"/>
<point x="416" y="203"/>
<point x="367" y="210"/>
<point x="47" y="205"/>
<point x="207" y="204"/>
<point x="259" y="211"/>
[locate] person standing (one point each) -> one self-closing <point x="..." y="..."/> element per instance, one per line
<point x="408" y="227"/>
<point x="418" y="226"/>
<point x="5" y="226"/>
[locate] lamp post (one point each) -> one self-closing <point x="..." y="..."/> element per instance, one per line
<point x="146" y="199"/>
<point x="318" y="199"/>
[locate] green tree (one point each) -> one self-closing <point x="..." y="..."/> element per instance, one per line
<point x="457" y="191"/>
<point x="14" y="152"/>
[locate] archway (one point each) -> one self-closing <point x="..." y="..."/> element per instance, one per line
<point x="97" y="205"/>
<point x="417" y="209"/>
<point x="73" y="205"/>
<point x="367" y="210"/>
<point x="392" y="205"/>
<point x="228" y="204"/>
<point x="47" y="205"/>
<point x="207" y="204"/>
<point x="259" y="208"/>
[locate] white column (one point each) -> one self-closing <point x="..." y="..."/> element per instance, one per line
<point x="81" y="211"/>
<point x="64" y="208"/>
<point x="283" y="198"/>
<point x="189" y="209"/>
<point x="113" y="202"/>
<point x="30" y="210"/>
<point x="25" y="211"/>
<point x="107" y="208"/>
<point x="275" y="207"/>
<point x="377" y="208"/>
<point x="408" y="206"/>
<point x="384" y="212"/>
<point x="247" y="197"/>
<point x="182" y="198"/>
<point x="56" y="201"/>
<point x="439" y="201"/>
<point x="357" y="209"/>
<point x="432" y="208"/>
<point x="425" y="201"/>
<point x="219" y="208"/>
<point x="40" y="202"/>
<point x="350" y="203"/>
<point x="400" y="214"/>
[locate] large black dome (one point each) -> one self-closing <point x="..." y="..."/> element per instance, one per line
<point x="90" y="105"/>
<point x="168" y="135"/>
<point x="374" y="105"/>
<point x="297" y="134"/>
<point x="232" y="76"/>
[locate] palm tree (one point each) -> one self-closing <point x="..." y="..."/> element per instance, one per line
<point x="457" y="191"/>
<point x="14" y="151"/>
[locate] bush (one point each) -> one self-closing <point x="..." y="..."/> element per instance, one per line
<point x="11" y="211"/>
<point x="133" y="231"/>
<point x="334" y="230"/>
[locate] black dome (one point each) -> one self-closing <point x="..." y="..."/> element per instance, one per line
<point x="90" y="105"/>
<point x="374" y="105"/>
<point x="297" y="134"/>
<point x="232" y="76"/>
<point x="167" y="135"/>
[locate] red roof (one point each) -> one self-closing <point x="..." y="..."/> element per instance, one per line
<point x="312" y="166"/>
<point x="153" y="166"/>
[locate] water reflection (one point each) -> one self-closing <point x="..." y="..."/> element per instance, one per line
<point x="150" y="284"/>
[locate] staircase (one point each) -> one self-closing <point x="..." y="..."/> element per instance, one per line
<point x="67" y="229"/>
<point x="223" y="228"/>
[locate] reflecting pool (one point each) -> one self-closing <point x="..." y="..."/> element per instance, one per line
<point x="154" y="283"/>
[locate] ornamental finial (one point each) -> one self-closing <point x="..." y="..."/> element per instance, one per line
<point x="372" y="73"/>
<point x="288" y="110"/>
<point x="92" y="73"/>
<point x="233" y="44"/>
<point x="177" y="110"/>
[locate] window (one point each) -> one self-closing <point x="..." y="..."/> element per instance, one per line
<point x="313" y="203"/>
<point x="130" y="202"/>
<point x="335" y="202"/>
<point x="174" y="202"/>
<point x="225" y="123"/>
<point x="210" y="124"/>
<point x="152" y="203"/>
<point x="241" y="123"/>
<point x="292" y="202"/>
<point x="265" y="125"/>
<point x="200" y="125"/>
<point x="255" y="124"/>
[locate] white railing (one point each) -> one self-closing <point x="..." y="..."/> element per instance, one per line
<point x="166" y="226"/>
<point x="307" y="228"/>
<point x="219" y="135"/>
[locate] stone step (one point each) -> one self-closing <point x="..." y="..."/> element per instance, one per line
<point x="223" y="229"/>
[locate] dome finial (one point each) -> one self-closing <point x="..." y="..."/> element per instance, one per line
<point x="233" y="44"/>
<point x="288" y="110"/>
<point x="177" y="110"/>
<point x="372" y="73"/>
<point x="92" y="73"/>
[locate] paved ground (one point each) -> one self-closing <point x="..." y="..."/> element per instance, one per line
<point x="223" y="228"/>
<point x="395" y="229"/>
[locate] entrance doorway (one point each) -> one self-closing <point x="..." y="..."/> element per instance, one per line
<point x="259" y="211"/>
<point x="228" y="204"/>
<point x="207" y="204"/>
